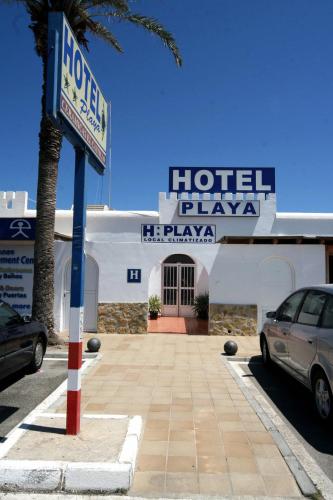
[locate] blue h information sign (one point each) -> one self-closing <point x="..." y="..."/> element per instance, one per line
<point x="221" y="180"/>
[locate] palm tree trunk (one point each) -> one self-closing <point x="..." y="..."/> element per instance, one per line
<point x="50" y="139"/>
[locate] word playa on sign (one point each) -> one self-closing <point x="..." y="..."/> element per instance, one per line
<point x="221" y="180"/>
<point x="76" y="98"/>
<point x="223" y="208"/>
<point x="171" y="233"/>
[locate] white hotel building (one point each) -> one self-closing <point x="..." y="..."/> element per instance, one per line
<point x="234" y="245"/>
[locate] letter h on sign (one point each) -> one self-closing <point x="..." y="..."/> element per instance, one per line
<point x="133" y="275"/>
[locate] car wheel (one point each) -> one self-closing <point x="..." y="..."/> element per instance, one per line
<point x="38" y="356"/>
<point x="322" y="396"/>
<point x="266" y="358"/>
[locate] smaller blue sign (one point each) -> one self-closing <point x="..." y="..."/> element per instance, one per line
<point x="17" y="229"/>
<point x="178" y="233"/>
<point x="133" y="275"/>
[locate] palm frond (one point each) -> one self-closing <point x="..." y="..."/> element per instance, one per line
<point x="153" y="26"/>
<point x="120" y="5"/>
<point x="102" y="32"/>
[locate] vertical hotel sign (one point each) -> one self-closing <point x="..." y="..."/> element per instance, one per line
<point x="75" y="100"/>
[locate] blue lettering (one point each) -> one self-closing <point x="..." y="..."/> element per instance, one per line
<point x="197" y="229"/>
<point x="167" y="230"/>
<point x="78" y="72"/>
<point x="187" y="205"/>
<point x="68" y="50"/>
<point x="98" y="116"/>
<point x="218" y="209"/>
<point x="233" y="207"/>
<point x="187" y="231"/>
<point x="249" y="209"/>
<point x="148" y="230"/>
<point x="176" y="231"/>
<point x="209" y="231"/>
<point x="87" y="80"/>
<point x="93" y="96"/>
<point x="200" y="210"/>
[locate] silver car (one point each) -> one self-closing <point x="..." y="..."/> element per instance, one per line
<point x="298" y="336"/>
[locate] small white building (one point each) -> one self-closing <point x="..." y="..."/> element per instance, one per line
<point x="233" y="245"/>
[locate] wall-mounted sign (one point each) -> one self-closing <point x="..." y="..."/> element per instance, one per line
<point x="16" y="275"/>
<point x="133" y="275"/>
<point x="17" y="229"/>
<point x="224" y="208"/>
<point x="74" y="97"/>
<point x="177" y="233"/>
<point x="221" y="180"/>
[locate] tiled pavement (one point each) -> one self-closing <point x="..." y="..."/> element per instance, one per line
<point x="172" y="324"/>
<point x="200" y="434"/>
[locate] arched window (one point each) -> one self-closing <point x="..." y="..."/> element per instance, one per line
<point x="178" y="258"/>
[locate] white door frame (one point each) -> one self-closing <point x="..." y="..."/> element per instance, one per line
<point x="90" y="297"/>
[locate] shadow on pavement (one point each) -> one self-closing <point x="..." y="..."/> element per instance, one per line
<point x="295" y="403"/>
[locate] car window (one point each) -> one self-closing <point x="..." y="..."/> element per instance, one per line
<point x="8" y="316"/>
<point x="327" y="317"/>
<point x="289" y="307"/>
<point x="312" y="308"/>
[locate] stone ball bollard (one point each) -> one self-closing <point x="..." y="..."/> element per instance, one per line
<point x="230" y="348"/>
<point x="93" y="345"/>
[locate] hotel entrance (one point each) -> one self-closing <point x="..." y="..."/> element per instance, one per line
<point x="178" y="286"/>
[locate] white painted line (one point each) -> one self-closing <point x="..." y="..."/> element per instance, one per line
<point x="15" y="434"/>
<point x="89" y="415"/>
<point x="55" y="359"/>
<point x="317" y="475"/>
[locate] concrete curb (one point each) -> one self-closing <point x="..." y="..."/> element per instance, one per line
<point x="69" y="477"/>
<point x="75" y="477"/>
<point x="303" y="480"/>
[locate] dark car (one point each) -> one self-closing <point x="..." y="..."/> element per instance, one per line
<point x="22" y="342"/>
<point x="298" y="336"/>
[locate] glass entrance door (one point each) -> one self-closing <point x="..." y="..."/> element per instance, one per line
<point x="178" y="282"/>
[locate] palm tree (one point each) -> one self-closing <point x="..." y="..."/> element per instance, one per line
<point x="92" y="16"/>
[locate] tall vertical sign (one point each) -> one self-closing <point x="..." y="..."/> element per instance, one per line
<point x="77" y="106"/>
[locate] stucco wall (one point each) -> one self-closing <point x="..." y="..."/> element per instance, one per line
<point x="238" y="274"/>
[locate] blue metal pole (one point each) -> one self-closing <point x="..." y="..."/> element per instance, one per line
<point x="77" y="296"/>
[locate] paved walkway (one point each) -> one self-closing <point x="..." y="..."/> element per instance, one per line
<point x="200" y="434"/>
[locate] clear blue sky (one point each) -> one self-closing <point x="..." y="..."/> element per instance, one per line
<point x="256" y="89"/>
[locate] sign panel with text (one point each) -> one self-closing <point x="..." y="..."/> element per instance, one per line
<point x="74" y="98"/>
<point x="178" y="233"/>
<point x="223" y="208"/>
<point x="16" y="276"/>
<point x="221" y="180"/>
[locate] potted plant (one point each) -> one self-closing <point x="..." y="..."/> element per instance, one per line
<point x="201" y="305"/>
<point x="154" y="306"/>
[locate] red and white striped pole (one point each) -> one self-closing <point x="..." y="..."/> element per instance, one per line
<point x="73" y="419"/>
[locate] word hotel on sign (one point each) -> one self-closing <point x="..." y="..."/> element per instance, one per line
<point x="219" y="180"/>
<point x="72" y="59"/>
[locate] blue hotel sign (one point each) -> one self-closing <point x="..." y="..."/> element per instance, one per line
<point x="17" y="229"/>
<point x="221" y="180"/>
<point x="133" y="275"/>
<point x="74" y="99"/>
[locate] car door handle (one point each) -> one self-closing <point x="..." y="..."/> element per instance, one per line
<point x="285" y="332"/>
<point x="310" y="341"/>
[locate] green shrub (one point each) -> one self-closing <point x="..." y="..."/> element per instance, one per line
<point x="201" y="305"/>
<point x="154" y="304"/>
